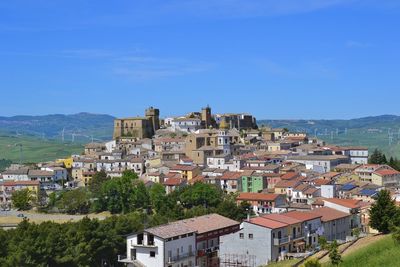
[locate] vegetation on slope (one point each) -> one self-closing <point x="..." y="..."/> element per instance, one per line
<point x="384" y="252"/>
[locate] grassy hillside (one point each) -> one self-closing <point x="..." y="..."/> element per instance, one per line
<point x="35" y="149"/>
<point x="383" y="252"/>
<point x="372" y="132"/>
<point x="83" y="126"/>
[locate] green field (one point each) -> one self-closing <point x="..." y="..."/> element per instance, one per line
<point x="35" y="149"/>
<point x="383" y="252"/>
<point x="357" y="137"/>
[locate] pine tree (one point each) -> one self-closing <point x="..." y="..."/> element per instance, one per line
<point x="334" y="254"/>
<point x="382" y="212"/>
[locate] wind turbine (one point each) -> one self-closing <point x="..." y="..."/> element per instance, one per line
<point x="20" y="152"/>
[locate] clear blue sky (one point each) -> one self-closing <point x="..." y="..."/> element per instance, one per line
<point x="275" y="59"/>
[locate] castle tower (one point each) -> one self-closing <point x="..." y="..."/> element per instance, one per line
<point x="206" y="116"/>
<point x="153" y="114"/>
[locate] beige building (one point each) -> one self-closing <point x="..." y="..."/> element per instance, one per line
<point x="138" y="127"/>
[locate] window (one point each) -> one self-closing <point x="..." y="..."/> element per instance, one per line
<point x="250" y="236"/>
<point x="241" y="235"/>
<point x="152" y="254"/>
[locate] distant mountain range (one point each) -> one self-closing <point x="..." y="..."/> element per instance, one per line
<point x="80" y="127"/>
<point x="42" y="136"/>
<point x="84" y="126"/>
<point x="376" y="123"/>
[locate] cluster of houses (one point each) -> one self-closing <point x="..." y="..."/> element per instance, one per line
<point x="299" y="188"/>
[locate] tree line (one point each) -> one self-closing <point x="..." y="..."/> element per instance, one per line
<point x="91" y="242"/>
<point x="378" y="157"/>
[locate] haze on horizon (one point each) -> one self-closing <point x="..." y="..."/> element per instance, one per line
<point x="310" y="59"/>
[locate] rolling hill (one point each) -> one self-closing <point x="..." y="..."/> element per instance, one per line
<point x="382" y="132"/>
<point x="80" y="127"/>
<point x="41" y="136"/>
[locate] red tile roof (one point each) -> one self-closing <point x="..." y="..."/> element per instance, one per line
<point x="257" y="197"/>
<point x="20" y="183"/>
<point x="173" y="175"/>
<point x="268" y="223"/>
<point x="384" y="172"/>
<point x="231" y="176"/>
<point x="288" y="183"/>
<point x="348" y="203"/>
<point x="319" y="182"/>
<point x="198" y="178"/>
<point x="289" y="176"/>
<point x="282" y="218"/>
<point x="329" y="214"/>
<point x="183" y="167"/>
<point x="302" y="216"/>
<point x="173" y="181"/>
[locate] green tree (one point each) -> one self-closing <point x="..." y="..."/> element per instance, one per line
<point x="312" y="263"/>
<point x="157" y="197"/>
<point x="396" y="234"/>
<point x="129" y="174"/>
<point x="323" y="242"/>
<point x="200" y="194"/>
<point x="334" y="254"/>
<point x="96" y="182"/>
<point x="141" y="196"/>
<point x="377" y="157"/>
<point x="21" y="199"/>
<point x="356" y="232"/>
<point x="382" y="212"/>
<point x="74" y="201"/>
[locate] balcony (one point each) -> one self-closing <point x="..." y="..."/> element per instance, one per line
<point x="278" y="242"/>
<point x="125" y="259"/>
<point x="297" y="237"/>
<point x="143" y="245"/>
<point x="180" y="257"/>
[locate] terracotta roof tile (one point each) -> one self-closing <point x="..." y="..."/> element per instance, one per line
<point x="329" y="214"/>
<point x="257" y="196"/>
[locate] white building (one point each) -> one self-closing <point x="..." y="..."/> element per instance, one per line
<point x="167" y="245"/>
<point x="188" y="125"/>
<point x="16" y="175"/>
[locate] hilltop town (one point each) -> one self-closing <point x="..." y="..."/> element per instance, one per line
<point x="296" y="188"/>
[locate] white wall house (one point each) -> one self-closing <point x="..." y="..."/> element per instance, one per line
<point x="188" y="125"/>
<point x="162" y="246"/>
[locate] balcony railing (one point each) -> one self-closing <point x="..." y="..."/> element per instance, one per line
<point x="278" y="242"/>
<point x="180" y="257"/>
<point x="125" y="259"/>
<point x="144" y="245"/>
<point x="297" y="237"/>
